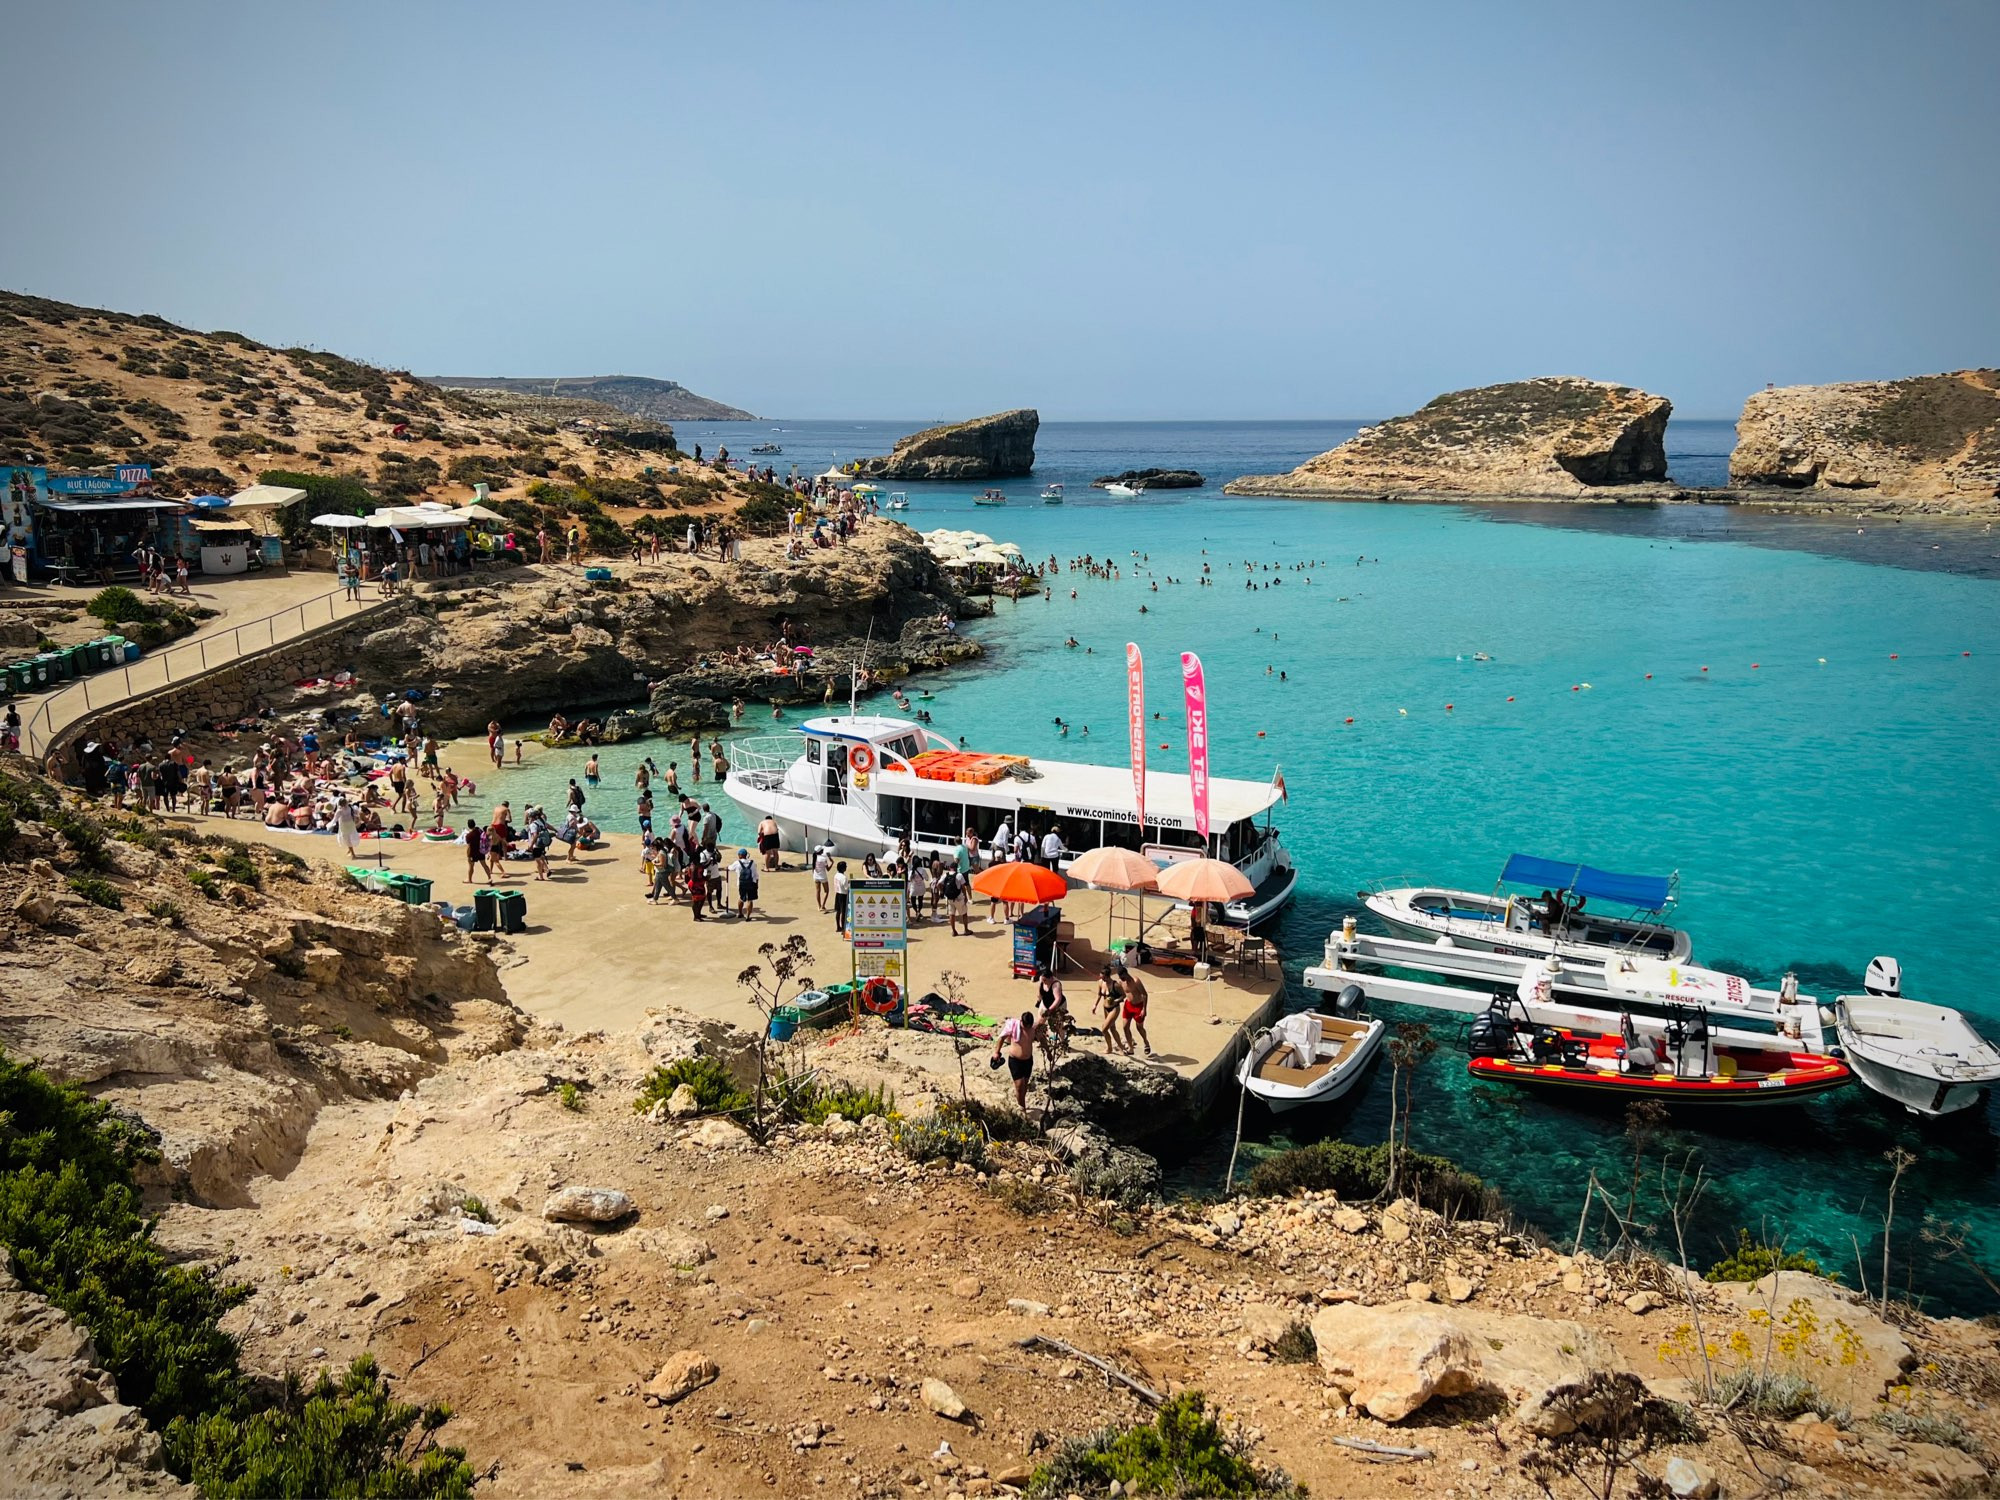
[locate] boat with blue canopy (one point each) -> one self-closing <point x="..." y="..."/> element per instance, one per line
<point x="1556" y="918"/>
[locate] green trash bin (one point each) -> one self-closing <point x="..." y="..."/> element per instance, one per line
<point x="78" y="660"/>
<point x="414" y="889"/>
<point x="107" y="654"/>
<point x="49" y="669"/>
<point x="20" y="677"/>
<point x="118" y="646"/>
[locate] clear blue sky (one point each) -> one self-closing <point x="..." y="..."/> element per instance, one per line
<point x="1103" y="210"/>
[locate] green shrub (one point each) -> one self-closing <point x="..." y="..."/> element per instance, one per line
<point x="1752" y="1260"/>
<point x="569" y="1096"/>
<point x="714" y="1089"/>
<point x="141" y="834"/>
<point x="350" y="1438"/>
<point x="84" y="837"/>
<point x="97" y="891"/>
<point x="1928" y="1426"/>
<point x="1296" y="1345"/>
<point x="166" y="911"/>
<point x="1183" y="1451"/>
<point x="1780" y="1397"/>
<point x="849" y="1103"/>
<point x="117" y="604"/>
<point x="71" y="1218"/>
<point x="237" y="864"/>
<point x="763" y="513"/>
<point x="475" y="1208"/>
<point x="1359" y="1172"/>
<point x="1025" y="1196"/>
<point x="948" y="1135"/>
<point x="206" y="882"/>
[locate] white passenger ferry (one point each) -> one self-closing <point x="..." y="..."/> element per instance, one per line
<point x="863" y="782"/>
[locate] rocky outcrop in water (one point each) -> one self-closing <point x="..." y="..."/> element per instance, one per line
<point x="1931" y="440"/>
<point x="1555" y="438"/>
<point x="996" y="447"/>
<point x="1153" y="479"/>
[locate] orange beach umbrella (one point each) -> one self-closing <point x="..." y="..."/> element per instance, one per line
<point x="1019" y="883"/>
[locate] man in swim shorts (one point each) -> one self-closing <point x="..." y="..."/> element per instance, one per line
<point x="1016" y="1043"/>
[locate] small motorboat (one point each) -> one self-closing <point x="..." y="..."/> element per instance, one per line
<point x="898" y="500"/>
<point x="1681" y="1063"/>
<point x="1925" y="1057"/>
<point x="766" y="448"/>
<point x="1309" y="1058"/>
<point x="1123" y="491"/>
<point x="1533" y="927"/>
<point x="1052" y="494"/>
<point x="991" y="497"/>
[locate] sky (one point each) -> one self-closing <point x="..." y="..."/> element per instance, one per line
<point x="1103" y="210"/>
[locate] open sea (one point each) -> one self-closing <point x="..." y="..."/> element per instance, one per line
<point x="1798" y="715"/>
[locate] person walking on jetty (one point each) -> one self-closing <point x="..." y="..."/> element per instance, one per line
<point x="841" y="886"/>
<point x="1015" y="1044"/>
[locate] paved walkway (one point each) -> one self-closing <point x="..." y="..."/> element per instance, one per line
<point x="253" y="613"/>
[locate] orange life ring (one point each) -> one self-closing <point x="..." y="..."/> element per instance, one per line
<point x="880" y="996"/>
<point x="861" y="758"/>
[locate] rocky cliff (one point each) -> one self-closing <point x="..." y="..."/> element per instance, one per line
<point x="1153" y="479"/>
<point x="1933" y="440"/>
<point x="996" y="447"/>
<point x="1558" y="437"/>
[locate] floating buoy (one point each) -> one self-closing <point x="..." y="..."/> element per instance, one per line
<point x="1573" y="687"/>
<point x="1822" y="661"/>
<point x="1755" y="665"/>
<point x="1587" y="688"/>
<point x="1350" y="721"/>
<point x="1447" y="708"/>
<point x="1704" y="669"/>
<point x="1965" y="653"/>
<point x="1892" y="656"/>
<point x="1163" y="746"/>
<point x="1649" y="677"/>
<point x="1510" y="697"/>
<point x="1260" y="734"/>
<point x="1404" y="712"/>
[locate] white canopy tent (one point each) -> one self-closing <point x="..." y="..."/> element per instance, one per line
<point x="264" y="497"/>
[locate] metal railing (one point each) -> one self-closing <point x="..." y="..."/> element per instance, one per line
<point x="69" y="705"/>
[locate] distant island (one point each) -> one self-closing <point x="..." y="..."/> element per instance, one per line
<point x="636" y="395"/>
<point x="1928" y="438"/>
<point x="1001" y="446"/>
<point x="1153" y="479"/>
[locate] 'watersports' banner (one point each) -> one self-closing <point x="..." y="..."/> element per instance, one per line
<point x="1135" y="714"/>
<point x="1197" y="721"/>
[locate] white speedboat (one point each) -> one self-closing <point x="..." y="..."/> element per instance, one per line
<point x="1052" y="494"/>
<point x="992" y="497"/>
<point x="1535" y="926"/>
<point x="1123" y="491"/>
<point x="1309" y="1058"/>
<point x="898" y="500"/>
<point x="1925" y="1057"/>
<point x="862" y="782"/>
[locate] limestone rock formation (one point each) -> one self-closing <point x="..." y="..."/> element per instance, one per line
<point x="1001" y="446"/>
<point x="1932" y="439"/>
<point x="1558" y="437"/>
<point x="1153" y="479"/>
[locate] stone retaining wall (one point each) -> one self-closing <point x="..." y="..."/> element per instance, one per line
<point x="231" y="691"/>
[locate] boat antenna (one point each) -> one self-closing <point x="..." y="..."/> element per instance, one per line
<point x="854" y="674"/>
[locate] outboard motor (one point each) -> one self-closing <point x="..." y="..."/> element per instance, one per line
<point x="1492" y="1032"/>
<point x="1347" y="1004"/>
<point x="1884" y="977"/>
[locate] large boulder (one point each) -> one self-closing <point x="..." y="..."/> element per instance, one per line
<point x="1933" y="439"/>
<point x="1390" y="1360"/>
<point x="1001" y="446"/>
<point x="1153" y="479"/>
<point x="1558" y="437"/>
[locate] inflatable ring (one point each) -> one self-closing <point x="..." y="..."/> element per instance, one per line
<point x="861" y="758"/>
<point x="881" y="997"/>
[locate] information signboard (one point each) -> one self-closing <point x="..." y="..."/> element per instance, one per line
<point x="878" y="927"/>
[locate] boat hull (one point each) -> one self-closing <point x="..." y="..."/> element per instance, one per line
<point x="1272" y="897"/>
<point x="1924" y="1057"/>
<point x="1477" y="921"/>
<point x="1810" y="1076"/>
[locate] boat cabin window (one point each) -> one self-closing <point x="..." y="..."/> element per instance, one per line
<point x="1078" y="834"/>
<point x="985" y="820"/>
<point x="940" y="820"/>
<point x="904" y="747"/>
<point x="812" y="752"/>
<point x="1177" y="838"/>
<point x="1118" y="835"/>
<point x="893" y="813"/>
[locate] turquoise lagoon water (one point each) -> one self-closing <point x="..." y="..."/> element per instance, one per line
<point x="1825" y="787"/>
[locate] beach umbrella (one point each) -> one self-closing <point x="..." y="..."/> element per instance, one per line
<point x="1019" y="883"/>
<point x="1205" y="880"/>
<point x="340" y="522"/>
<point x="1117" y="870"/>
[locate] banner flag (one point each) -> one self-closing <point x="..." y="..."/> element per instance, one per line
<point x="1197" y="725"/>
<point x="1135" y="714"/>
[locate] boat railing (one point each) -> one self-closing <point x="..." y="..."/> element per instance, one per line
<point x="764" y="760"/>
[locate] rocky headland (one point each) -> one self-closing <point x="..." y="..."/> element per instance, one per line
<point x="640" y="395"/>
<point x="1927" y="443"/>
<point x="1153" y="479"/>
<point x="1001" y="446"/>
<point x="1555" y="438"/>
